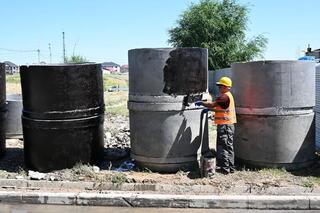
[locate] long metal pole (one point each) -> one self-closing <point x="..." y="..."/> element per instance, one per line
<point x="50" y="53"/>
<point x="64" y="48"/>
<point x="38" y="50"/>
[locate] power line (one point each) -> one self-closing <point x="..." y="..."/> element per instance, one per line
<point x="13" y="50"/>
<point x="16" y="51"/>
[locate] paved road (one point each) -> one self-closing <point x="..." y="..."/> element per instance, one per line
<point x="85" y="209"/>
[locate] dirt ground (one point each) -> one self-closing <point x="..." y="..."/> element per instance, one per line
<point x="12" y="88"/>
<point x="12" y="165"/>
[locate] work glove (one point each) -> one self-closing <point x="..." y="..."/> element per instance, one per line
<point x="198" y="103"/>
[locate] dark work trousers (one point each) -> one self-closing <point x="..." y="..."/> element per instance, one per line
<point x="225" y="152"/>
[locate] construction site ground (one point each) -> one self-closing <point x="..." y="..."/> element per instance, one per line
<point x="14" y="175"/>
<point x="111" y="176"/>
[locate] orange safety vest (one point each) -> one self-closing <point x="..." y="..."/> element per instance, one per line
<point x="226" y="116"/>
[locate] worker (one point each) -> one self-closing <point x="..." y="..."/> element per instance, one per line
<point x="224" y="118"/>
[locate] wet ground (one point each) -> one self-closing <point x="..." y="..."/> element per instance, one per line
<point x="86" y="209"/>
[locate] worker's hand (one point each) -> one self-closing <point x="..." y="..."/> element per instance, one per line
<point x="205" y="110"/>
<point x="198" y="103"/>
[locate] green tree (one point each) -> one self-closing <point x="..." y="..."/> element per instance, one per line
<point x="75" y="59"/>
<point x="219" y="26"/>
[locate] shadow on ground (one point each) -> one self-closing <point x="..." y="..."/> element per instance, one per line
<point x="13" y="160"/>
<point x="119" y="160"/>
<point x="312" y="170"/>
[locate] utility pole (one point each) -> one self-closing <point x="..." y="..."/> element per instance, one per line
<point x="64" y="48"/>
<point x="38" y="50"/>
<point x="50" y="53"/>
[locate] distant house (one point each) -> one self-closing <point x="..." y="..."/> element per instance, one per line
<point x="104" y="71"/>
<point x="124" y="68"/>
<point x="315" y="53"/>
<point x="111" y="67"/>
<point x="11" y="68"/>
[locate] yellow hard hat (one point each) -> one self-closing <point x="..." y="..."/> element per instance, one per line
<point x="225" y="81"/>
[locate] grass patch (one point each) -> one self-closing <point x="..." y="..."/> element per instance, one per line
<point x="83" y="171"/>
<point x="311" y="182"/>
<point x="308" y="183"/>
<point x="116" y="103"/>
<point x="114" y="80"/>
<point x="273" y="172"/>
<point x="117" y="76"/>
<point x="11" y="175"/>
<point x="118" y="178"/>
<point x="3" y="174"/>
<point x="22" y="172"/>
<point x="15" y="78"/>
<point x="116" y="98"/>
<point x="108" y="80"/>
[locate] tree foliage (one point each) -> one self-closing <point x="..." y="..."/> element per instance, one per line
<point x="219" y="26"/>
<point x="75" y="59"/>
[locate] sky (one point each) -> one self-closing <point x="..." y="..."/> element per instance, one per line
<point x="104" y="30"/>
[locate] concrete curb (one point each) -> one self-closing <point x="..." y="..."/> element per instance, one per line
<point x="12" y="184"/>
<point x="157" y="195"/>
<point x="134" y="199"/>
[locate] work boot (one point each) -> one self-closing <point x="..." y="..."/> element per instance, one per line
<point x="232" y="170"/>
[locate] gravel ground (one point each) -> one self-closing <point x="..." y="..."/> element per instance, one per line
<point x="116" y="137"/>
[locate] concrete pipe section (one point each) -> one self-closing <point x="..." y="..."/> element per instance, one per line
<point x="63" y="113"/>
<point x="274" y="103"/>
<point x="167" y="131"/>
<point x="2" y="109"/>
<point x="13" y="119"/>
